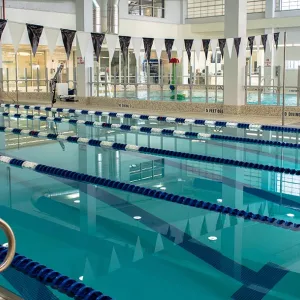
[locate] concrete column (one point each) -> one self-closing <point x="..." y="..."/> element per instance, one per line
<point x="234" y="67"/>
<point x="84" y="22"/>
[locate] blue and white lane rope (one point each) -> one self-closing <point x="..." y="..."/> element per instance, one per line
<point x="155" y="118"/>
<point x="131" y="188"/>
<point x="149" y="150"/>
<point x="55" y="280"/>
<point x="155" y="131"/>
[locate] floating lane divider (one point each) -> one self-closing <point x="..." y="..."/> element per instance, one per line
<point x="155" y="118"/>
<point x="148" y="150"/>
<point x="156" y="131"/>
<point x="131" y="188"/>
<point x="55" y="280"/>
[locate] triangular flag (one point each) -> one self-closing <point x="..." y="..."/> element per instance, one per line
<point x="137" y="46"/>
<point x="34" y="35"/>
<point x="114" y="262"/>
<point x="264" y="38"/>
<point x="159" y="45"/>
<point x="266" y="210"/>
<point x="111" y="41"/>
<point x="159" y="246"/>
<point x="257" y="42"/>
<point x="213" y="46"/>
<point x="229" y="43"/>
<point x="16" y="32"/>
<point x="220" y="222"/>
<point x="169" y="46"/>
<point x="97" y="40"/>
<point x="237" y="43"/>
<point x="204" y="229"/>
<point x="251" y="43"/>
<point x="270" y="40"/>
<point x="179" y="44"/>
<point x="68" y="38"/>
<point x="124" y="44"/>
<point x="222" y="44"/>
<point x="261" y="209"/>
<point x="52" y="36"/>
<point x="205" y="43"/>
<point x="276" y="39"/>
<point x="198" y="47"/>
<point x="188" y="47"/>
<point x="2" y="27"/>
<point x="138" y="251"/>
<point x="148" y="43"/>
<point x="84" y="39"/>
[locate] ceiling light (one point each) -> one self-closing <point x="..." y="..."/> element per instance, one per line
<point x="81" y="278"/>
<point x="290" y="215"/>
<point x="219" y="200"/>
<point x="77" y="201"/>
<point x="212" y="238"/>
<point x="137" y="217"/>
<point x="158" y="185"/>
<point x="163" y="188"/>
<point x="5" y="245"/>
<point x="73" y="196"/>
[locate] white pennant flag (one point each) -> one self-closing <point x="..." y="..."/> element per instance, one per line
<point x="16" y="32"/>
<point x="84" y="39"/>
<point x="51" y="36"/>
<point x="229" y="43"/>
<point x="138" y="251"/>
<point x="159" y="246"/>
<point x="257" y="41"/>
<point x="270" y="40"/>
<point x="136" y="45"/>
<point x="159" y="45"/>
<point x="197" y="47"/>
<point x="111" y="41"/>
<point x="114" y="261"/>
<point x="213" y="45"/>
<point x="179" y="44"/>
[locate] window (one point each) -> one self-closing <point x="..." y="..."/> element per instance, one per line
<point x="287" y="4"/>
<point x="288" y="184"/>
<point x="148" y="8"/>
<point x="292" y="64"/>
<point x="212" y="8"/>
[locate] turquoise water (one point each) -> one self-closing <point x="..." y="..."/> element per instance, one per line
<point x="89" y="233"/>
<point x="213" y="97"/>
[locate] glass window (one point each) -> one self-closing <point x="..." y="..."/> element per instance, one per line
<point x="287" y="4"/>
<point x="212" y="8"/>
<point x="148" y="8"/>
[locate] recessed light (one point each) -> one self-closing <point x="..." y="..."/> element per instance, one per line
<point x="137" y="217"/>
<point x="212" y="238"/>
<point x="219" y="200"/>
<point x="81" y="278"/>
<point x="290" y="215"/>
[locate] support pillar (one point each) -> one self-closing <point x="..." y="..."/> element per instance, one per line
<point x="234" y="67"/>
<point x="84" y="22"/>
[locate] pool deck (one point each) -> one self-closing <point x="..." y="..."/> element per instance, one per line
<point x="271" y="120"/>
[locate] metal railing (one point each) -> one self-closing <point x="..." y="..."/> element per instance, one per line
<point x="11" y="246"/>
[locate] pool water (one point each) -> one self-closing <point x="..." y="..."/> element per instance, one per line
<point x="135" y="247"/>
<point x="213" y="97"/>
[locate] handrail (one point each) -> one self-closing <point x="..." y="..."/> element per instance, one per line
<point x="11" y="246"/>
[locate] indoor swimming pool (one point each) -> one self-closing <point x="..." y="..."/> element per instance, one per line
<point x="130" y="246"/>
<point x="200" y="96"/>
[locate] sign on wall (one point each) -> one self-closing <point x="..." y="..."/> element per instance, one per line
<point x="80" y="60"/>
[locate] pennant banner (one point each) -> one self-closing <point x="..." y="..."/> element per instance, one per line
<point x="111" y="41"/>
<point x="137" y="45"/>
<point x="213" y="46"/>
<point x="188" y="47"/>
<point x="148" y="42"/>
<point x="34" y="34"/>
<point x="169" y="45"/>
<point x="222" y="44"/>
<point x="52" y="36"/>
<point x="124" y="44"/>
<point x="97" y="40"/>
<point x="84" y="39"/>
<point x="264" y="39"/>
<point x="251" y="43"/>
<point x="159" y="45"/>
<point x="206" y="47"/>
<point x="16" y="32"/>
<point x="276" y="39"/>
<point x="237" y="43"/>
<point x="2" y="27"/>
<point x="68" y="38"/>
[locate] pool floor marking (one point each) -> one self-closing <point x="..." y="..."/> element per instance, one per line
<point x="148" y="150"/>
<point x="155" y="118"/>
<point x="157" y="131"/>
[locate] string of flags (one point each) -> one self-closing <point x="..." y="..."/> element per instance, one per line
<point x="136" y="43"/>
